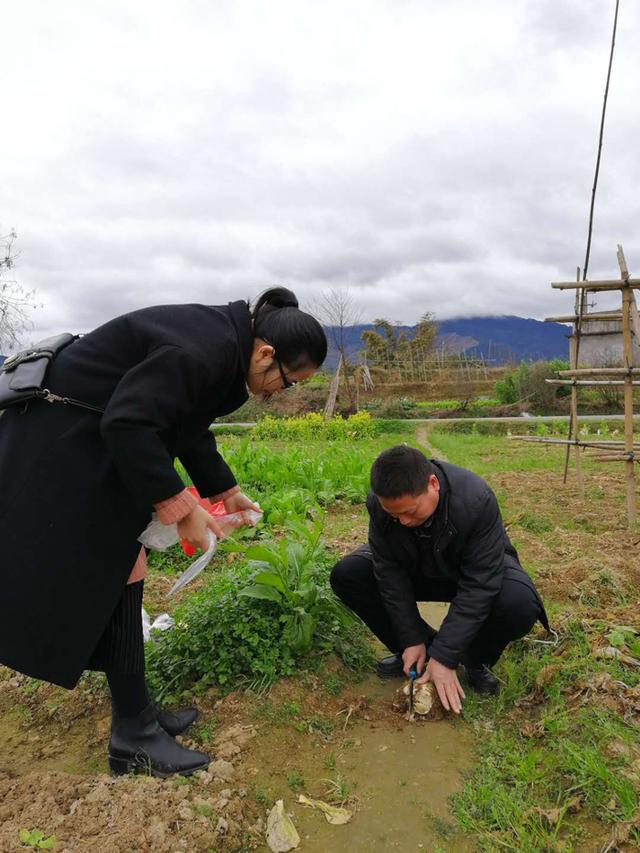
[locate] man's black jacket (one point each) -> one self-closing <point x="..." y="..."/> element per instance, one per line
<point x="470" y="549"/>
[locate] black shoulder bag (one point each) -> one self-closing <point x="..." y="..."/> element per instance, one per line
<point x="23" y="375"/>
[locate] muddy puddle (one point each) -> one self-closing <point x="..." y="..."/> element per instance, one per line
<point x="396" y="776"/>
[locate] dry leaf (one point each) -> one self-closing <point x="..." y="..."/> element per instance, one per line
<point x="334" y="814"/>
<point x="551" y="816"/>
<point x="547" y="674"/>
<point x="531" y="729"/>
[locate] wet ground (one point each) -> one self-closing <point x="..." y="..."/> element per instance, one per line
<point x="398" y="777"/>
<point x="353" y="748"/>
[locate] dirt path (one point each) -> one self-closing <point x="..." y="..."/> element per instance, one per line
<point x="422" y="436"/>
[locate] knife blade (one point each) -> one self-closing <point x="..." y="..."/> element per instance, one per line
<point x="412" y="677"/>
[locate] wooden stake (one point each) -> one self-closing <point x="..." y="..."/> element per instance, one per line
<point x="628" y="390"/>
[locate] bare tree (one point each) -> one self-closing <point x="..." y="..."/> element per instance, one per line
<point x="338" y="311"/>
<point x="16" y="303"/>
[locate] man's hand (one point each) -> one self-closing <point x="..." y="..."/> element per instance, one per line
<point x="414" y="656"/>
<point x="446" y="683"/>
<point x="195" y="526"/>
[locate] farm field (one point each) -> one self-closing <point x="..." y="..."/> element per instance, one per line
<point x="288" y="703"/>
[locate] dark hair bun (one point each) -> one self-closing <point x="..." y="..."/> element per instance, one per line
<point x="276" y="297"/>
<point x="297" y="337"/>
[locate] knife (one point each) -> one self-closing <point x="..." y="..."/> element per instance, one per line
<point x="412" y="677"/>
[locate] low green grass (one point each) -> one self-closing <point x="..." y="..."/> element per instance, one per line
<point x="546" y="766"/>
<point x="491" y="454"/>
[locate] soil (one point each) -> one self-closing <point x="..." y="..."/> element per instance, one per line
<point x="396" y="775"/>
<point x="584" y="541"/>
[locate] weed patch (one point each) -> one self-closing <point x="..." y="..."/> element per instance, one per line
<point x="252" y="624"/>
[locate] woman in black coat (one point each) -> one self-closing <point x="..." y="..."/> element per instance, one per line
<point x="77" y="488"/>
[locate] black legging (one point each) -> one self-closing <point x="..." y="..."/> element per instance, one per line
<point x="120" y="653"/>
<point x="515" y="609"/>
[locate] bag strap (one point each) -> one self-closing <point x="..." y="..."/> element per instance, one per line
<point x="50" y="397"/>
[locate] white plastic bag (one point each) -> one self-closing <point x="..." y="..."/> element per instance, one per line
<point x="159" y="536"/>
<point x="160" y="623"/>
<point x="237" y="519"/>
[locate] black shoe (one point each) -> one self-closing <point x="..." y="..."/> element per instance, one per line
<point x="390" y="667"/>
<point x="481" y="679"/>
<point x="176" y="722"/>
<point x="173" y="722"/>
<point x="140" y="745"/>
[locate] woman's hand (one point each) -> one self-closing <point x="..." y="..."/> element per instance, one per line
<point x="195" y="528"/>
<point x="239" y="502"/>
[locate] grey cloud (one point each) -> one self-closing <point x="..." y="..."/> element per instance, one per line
<point x="468" y="192"/>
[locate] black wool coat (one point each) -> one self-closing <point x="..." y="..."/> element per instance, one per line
<point x="470" y="549"/>
<point x="77" y="488"/>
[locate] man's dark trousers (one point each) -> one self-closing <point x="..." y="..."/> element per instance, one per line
<point x="515" y="610"/>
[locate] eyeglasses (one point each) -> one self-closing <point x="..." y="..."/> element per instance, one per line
<point x="286" y="382"/>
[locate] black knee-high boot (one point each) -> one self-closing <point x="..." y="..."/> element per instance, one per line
<point x="138" y="743"/>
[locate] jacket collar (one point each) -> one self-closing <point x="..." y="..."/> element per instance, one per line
<point x="241" y="319"/>
<point x="442" y="510"/>
<point x="445" y="528"/>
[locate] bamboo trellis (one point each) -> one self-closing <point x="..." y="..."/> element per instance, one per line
<point x="625" y="376"/>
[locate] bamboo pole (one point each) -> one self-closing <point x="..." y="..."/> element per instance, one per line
<point x="635" y="317"/>
<point x="603" y="284"/>
<point x="574" y="345"/>
<point x="601" y="371"/>
<point x="626" y="458"/>
<point x="599" y="334"/>
<point x="602" y="445"/>
<point x="628" y="390"/>
<point x="607" y="382"/>
<point x="600" y="316"/>
<point x="600" y="140"/>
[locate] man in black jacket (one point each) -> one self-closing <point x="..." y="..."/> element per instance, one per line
<point x="436" y="534"/>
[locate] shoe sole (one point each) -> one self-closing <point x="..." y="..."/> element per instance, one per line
<point x="127" y="766"/>
<point x="388" y="675"/>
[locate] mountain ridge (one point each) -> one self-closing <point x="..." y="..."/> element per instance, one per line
<point x="500" y="339"/>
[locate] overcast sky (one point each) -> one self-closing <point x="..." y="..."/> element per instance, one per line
<point x="430" y="156"/>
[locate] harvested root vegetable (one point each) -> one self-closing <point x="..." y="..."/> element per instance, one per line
<point x="426" y="702"/>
